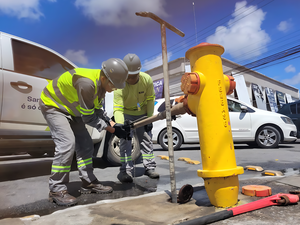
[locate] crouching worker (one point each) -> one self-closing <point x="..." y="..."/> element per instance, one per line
<point x="68" y="103"/>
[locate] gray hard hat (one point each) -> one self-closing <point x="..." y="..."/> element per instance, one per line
<point x="133" y="63"/>
<point x="116" y="71"/>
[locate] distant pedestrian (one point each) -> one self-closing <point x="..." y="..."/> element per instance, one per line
<point x="136" y="100"/>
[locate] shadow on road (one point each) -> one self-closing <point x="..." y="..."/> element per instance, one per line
<point x="22" y="169"/>
<point x="24" y="166"/>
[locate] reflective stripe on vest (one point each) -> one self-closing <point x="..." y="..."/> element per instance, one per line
<point x="61" y="93"/>
<point x="46" y="92"/>
<point x="63" y="99"/>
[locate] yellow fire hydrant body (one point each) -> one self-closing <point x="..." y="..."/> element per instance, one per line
<point x="209" y="103"/>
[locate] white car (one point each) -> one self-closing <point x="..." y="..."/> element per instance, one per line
<point x="248" y="124"/>
<point x="25" y="69"/>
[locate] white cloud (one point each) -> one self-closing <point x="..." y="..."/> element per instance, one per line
<point x="22" y="8"/>
<point x="285" y="26"/>
<point x="120" y="12"/>
<point x="155" y="62"/>
<point x="77" y="56"/>
<point x="292" y="81"/>
<point x="243" y="33"/>
<point x="290" y="68"/>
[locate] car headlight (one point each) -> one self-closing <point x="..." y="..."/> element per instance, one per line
<point x="287" y="120"/>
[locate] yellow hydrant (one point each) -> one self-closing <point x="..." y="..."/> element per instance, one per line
<point x="205" y="89"/>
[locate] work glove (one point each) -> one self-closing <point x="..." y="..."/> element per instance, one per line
<point x="173" y="117"/>
<point x="148" y="127"/>
<point x="127" y="128"/>
<point x="120" y="132"/>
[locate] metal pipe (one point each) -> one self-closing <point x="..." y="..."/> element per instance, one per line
<point x="159" y="20"/>
<point x="178" y="109"/>
<point x="168" y="113"/>
<point x="279" y="199"/>
<point x="164" y="24"/>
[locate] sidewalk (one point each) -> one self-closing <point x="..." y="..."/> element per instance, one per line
<point x="155" y="209"/>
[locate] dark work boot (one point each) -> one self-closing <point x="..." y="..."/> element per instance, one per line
<point x="95" y="187"/>
<point x="152" y="174"/>
<point x="124" y="177"/>
<point x="62" y="198"/>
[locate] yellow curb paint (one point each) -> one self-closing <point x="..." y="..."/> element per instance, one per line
<point x="163" y="157"/>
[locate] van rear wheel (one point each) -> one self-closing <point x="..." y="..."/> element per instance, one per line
<point x="113" y="153"/>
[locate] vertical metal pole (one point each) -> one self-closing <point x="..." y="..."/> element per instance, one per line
<point x="168" y="112"/>
<point x="165" y="25"/>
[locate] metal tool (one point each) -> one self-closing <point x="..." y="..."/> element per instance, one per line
<point x="279" y="199"/>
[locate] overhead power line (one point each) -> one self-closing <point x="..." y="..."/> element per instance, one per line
<point x="188" y="43"/>
<point x="269" y="59"/>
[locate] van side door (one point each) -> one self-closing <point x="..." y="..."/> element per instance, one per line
<point x="27" y="69"/>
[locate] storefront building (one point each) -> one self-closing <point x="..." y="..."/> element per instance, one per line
<point x="251" y="87"/>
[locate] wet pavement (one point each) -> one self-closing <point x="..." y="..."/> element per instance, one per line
<point x="146" y="200"/>
<point x="142" y="185"/>
<point x="156" y="209"/>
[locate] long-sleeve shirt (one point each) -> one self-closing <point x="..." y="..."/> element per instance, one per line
<point x="134" y="97"/>
<point x="86" y="95"/>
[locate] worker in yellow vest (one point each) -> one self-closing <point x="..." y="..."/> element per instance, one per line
<point x="136" y="100"/>
<point x="68" y="103"/>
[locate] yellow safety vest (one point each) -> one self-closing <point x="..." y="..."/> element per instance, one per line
<point x="60" y="92"/>
<point x="133" y="99"/>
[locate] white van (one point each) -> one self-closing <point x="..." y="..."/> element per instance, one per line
<point x="25" y="69"/>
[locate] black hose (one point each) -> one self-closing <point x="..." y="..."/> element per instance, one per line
<point x="210" y="218"/>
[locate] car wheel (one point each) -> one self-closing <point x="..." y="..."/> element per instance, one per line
<point x="113" y="153"/>
<point x="177" y="139"/>
<point x="267" y="137"/>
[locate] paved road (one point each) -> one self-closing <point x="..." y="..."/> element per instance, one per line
<point x="24" y="180"/>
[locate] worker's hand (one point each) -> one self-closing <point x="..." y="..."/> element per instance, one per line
<point x="148" y="127"/>
<point x="120" y="132"/>
<point x="173" y="117"/>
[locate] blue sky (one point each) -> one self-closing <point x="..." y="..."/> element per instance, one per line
<point x="90" y="31"/>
